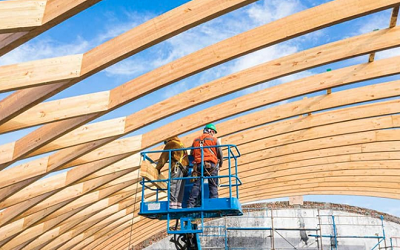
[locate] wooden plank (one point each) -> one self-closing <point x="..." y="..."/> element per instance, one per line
<point x="376" y="93"/>
<point x="280" y="112"/>
<point x="85" y="134"/>
<point x="320" y="157"/>
<point x="58" y="110"/>
<point x="17" y="16"/>
<point x="81" y="233"/>
<point x="308" y="173"/>
<point x="56" y="11"/>
<point x="94" y="215"/>
<point x="62" y="127"/>
<point x="303" y="136"/>
<point x="311" y="19"/>
<point x="83" y="212"/>
<point x="47" y="71"/>
<point x="123" y="46"/>
<point x="62" y="180"/>
<point x="296" y="190"/>
<point x="150" y="173"/>
<point x="257" y="75"/>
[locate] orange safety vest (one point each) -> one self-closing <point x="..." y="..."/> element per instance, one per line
<point x="209" y="154"/>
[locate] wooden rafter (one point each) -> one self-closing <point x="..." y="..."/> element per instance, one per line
<point x="119" y="48"/>
<point x="22" y="20"/>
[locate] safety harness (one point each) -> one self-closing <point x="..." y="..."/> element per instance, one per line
<point x="208" y="168"/>
<point x="178" y="164"/>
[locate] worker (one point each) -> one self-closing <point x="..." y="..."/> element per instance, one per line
<point x="212" y="162"/>
<point x="179" y="168"/>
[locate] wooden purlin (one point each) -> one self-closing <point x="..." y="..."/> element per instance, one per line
<point x="33" y="17"/>
<point x="121" y="47"/>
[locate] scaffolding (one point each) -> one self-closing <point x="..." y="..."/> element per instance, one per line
<point x="324" y="222"/>
<point x="394" y="243"/>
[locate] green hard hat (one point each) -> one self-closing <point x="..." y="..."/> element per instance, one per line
<point x="211" y="126"/>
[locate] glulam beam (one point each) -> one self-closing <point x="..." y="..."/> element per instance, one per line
<point x="112" y="51"/>
<point x="31" y="142"/>
<point x="23" y="20"/>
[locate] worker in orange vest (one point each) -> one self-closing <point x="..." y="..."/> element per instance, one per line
<point x="212" y="158"/>
<point x="179" y="163"/>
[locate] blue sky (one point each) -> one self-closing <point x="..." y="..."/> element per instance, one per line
<point x="110" y="18"/>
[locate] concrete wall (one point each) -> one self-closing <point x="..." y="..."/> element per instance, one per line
<point x="348" y="223"/>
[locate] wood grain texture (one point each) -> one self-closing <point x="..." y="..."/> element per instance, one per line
<point x="66" y="126"/>
<point x="123" y="46"/>
<point x="342" y="142"/>
<point x="58" y="110"/>
<point x="56" y="11"/>
<point x="257" y="74"/>
<point x="17" y="16"/>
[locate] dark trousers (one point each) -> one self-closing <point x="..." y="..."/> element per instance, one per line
<point x="196" y="189"/>
<point x="177" y="189"/>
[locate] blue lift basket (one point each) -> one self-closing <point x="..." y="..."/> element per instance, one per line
<point x="192" y="219"/>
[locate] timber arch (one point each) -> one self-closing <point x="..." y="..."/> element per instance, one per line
<point x="339" y="142"/>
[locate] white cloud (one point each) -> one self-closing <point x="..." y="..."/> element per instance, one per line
<point x="175" y="89"/>
<point x="271" y="10"/>
<point x="387" y="53"/>
<point x="378" y="21"/>
<point x="262" y="56"/>
<point x="128" y="67"/>
<point x="42" y="48"/>
<point x="115" y="27"/>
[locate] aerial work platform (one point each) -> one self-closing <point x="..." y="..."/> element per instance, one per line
<point x="206" y="207"/>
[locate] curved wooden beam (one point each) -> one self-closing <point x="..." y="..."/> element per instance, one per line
<point x="58" y="110"/>
<point x="358" y="122"/>
<point x="74" y="227"/>
<point x="335" y="101"/>
<point x="128" y="126"/>
<point x="296" y="190"/>
<point x="363" y="44"/>
<point x="69" y="194"/>
<point x="377" y="155"/>
<point x="23" y="20"/>
<point x="64" y="179"/>
<point x="301" y="135"/>
<point x="238" y="81"/>
<point x="119" y="48"/>
<point x="244" y="173"/>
